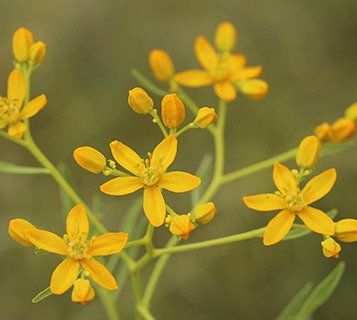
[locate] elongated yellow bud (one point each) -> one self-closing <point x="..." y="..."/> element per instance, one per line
<point x="205" y="212"/>
<point x="351" y="112"/>
<point x="82" y="291"/>
<point x="21" y="43"/>
<point x="172" y="111"/>
<point x="205" y="116"/>
<point x="38" y="51"/>
<point x="226" y="37"/>
<point x="330" y="248"/>
<point x="324" y="132"/>
<point x="346" y="230"/>
<point x="140" y="101"/>
<point x="308" y="152"/>
<point x="161" y="65"/>
<point x="181" y="226"/>
<point x="17" y="228"/>
<point x="90" y="159"/>
<point x="255" y="88"/>
<point x="343" y="129"/>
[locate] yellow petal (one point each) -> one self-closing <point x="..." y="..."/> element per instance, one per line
<point x="17" y="228"/>
<point x="126" y="157"/>
<point x="226" y="37"/>
<point x="47" y="241"/>
<point x="278" y="227"/>
<point x="21" y="44"/>
<point x="161" y="65"/>
<point x="343" y="129"/>
<point x="346" y="230"/>
<point x="90" y="159"/>
<point x="82" y="291"/>
<point x="16" y="87"/>
<point x="246" y="73"/>
<point x="319" y="186"/>
<point x="121" y="185"/>
<point x="330" y="248"/>
<point x="17" y="129"/>
<point x="34" y="106"/>
<point x="164" y="153"/>
<point x="255" y="88"/>
<point x="77" y="223"/>
<point x="178" y="181"/>
<point x="108" y="243"/>
<point x="205" y="53"/>
<point x="308" y="152"/>
<point x="284" y="179"/>
<point x="264" y="202"/>
<point x="236" y="61"/>
<point x="64" y="276"/>
<point x="99" y="274"/>
<point x="154" y="206"/>
<point x="225" y="90"/>
<point x="194" y="78"/>
<point x="317" y="221"/>
<point x="181" y="226"/>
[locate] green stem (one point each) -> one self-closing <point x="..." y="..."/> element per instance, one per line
<point x="184" y="129"/>
<point x="19" y="141"/>
<point x="158" y="121"/>
<point x="107" y="300"/>
<point x="144" y="312"/>
<point x="147" y="84"/>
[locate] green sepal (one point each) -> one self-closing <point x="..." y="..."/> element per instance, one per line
<point x="40" y="252"/>
<point x="12" y="168"/>
<point x="42" y="295"/>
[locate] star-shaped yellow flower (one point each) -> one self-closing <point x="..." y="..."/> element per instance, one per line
<point x="79" y="251"/>
<point x="11" y="113"/>
<point x="294" y="201"/>
<point x="150" y="174"/>
<point x="224" y="69"/>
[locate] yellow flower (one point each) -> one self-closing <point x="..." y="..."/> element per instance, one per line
<point x="161" y="65"/>
<point x="140" y="101"/>
<point x="330" y="248"/>
<point x="82" y="291"/>
<point x="150" y="175"/>
<point x="172" y="111"/>
<point x="205" y="116"/>
<point x="181" y="226"/>
<point x="221" y="70"/>
<point x="294" y="201"/>
<point x="21" y="44"/>
<point x="308" y="152"/>
<point x="79" y="251"/>
<point x="342" y="129"/>
<point x="205" y="212"/>
<point x="38" y="52"/>
<point x="11" y="113"/>
<point x="346" y="230"/>
<point x="90" y="159"/>
<point x="17" y="228"/>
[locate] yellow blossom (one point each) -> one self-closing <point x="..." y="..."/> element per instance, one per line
<point x="79" y="251"/>
<point x="82" y="291"/>
<point x="308" y="152"/>
<point x="222" y="71"/>
<point x="351" y="112"/>
<point x="346" y="230"/>
<point x="181" y="226"/>
<point x="11" y="111"/>
<point x="140" y="101"/>
<point x="161" y="65"/>
<point x="205" y="116"/>
<point x="205" y="212"/>
<point x="38" y="52"/>
<point x="17" y="228"/>
<point x="342" y="129"/>
<point x="21" y="44"/>
<point x="172" y="111"/>
<point x="294" y="201"/>
<point x="150" y="174"/>
<point x="90" y="159"/>
<point x="330" y="248"/>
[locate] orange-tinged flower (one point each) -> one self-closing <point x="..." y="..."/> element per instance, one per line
<point x="308" y="152"/>
<point x="346" y="230"/>
<point x="161" y="65"/>
<point x="11" y="111"/>
<point x="221" y="71"/>
<point x="82" y="291"/>
<point x="342" y="129"/>
<point x="205" y="116"/>
<point x="90" y="159"/>
<point x="79" y="251"/>
<point x="172" y="111"/>
<point x="140" y="101"/>
<point x="181" y="226"/>
<point x="330" y="248"/>
<point x="17" y="228"/>
<point x="21" y="44"/>
<point x="294" y="201"/>
<point x="150" y="174"/>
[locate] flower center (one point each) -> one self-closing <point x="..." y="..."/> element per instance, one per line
<point x="295" y="201"/>
<point x="149" y="176"/>
<point x="222" y="71"/>
<point x="8" y="110"/>
<point x="77" y="249"/>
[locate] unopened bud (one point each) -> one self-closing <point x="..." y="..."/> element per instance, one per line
<point x="90" y="159"/>
<point x="38" y="51"/>
<point x="82" y="291"/>
<point x="205" y="212"/>
<point x="255" y="88"/>
<point x="226" y="37"/>
<point x="161" y="65"/>
<point x="21" y="43"/>
<point x="205" y="117"/>
<point x="324" y="132"/>
<point x="17" y="228"/>
<point x="308" y="152"/>
<point x="330" y="248"/>
<point x="343" y="129"/>
<point x="172" y="111"/>
<point x="140" y="101"/>
<point x="181" y="226"/>
<point x="351" y="112"/>
<point x="346" y="230"/>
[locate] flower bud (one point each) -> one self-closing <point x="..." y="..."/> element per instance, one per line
<point x="205" y="117"/>
<point x="226" y="37"/>
<point x="255" y="88"/>
<point x="90" y="159"/>
<point x="330" y="248"/>
<point x="17" y="228"/>
<point x="161" y="65"/>
<point x="181" y="226"/>
<point x="82" y="291"/>
<point x="324" y="132"/>
<point x="140" y="101"/>
<point x="38" y="52"/>
<point x="205" y="212"/>
<point x="351" y="112"/>
<point x="343" y="129"/>
<point x="172" y="111"/>
<point x="346" y="230"/>
<point x="308" y="152"/>
<point x="21" y="43"/>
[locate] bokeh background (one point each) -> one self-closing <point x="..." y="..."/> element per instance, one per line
<point x="308" y="53"/>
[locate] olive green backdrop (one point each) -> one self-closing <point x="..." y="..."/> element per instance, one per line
<point x="308" y="53"/>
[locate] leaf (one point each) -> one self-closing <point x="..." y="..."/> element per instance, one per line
<point x="42" y="295"/>
<point x="12" y="168"/>
<point x="295" y="304"/>
<point x="321" y="293"/>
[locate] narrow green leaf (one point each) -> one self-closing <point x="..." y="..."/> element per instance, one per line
<point x="321" y="293"/>
<point x="296" y="233"/>
<point x="332" y="213"/>
<point x="42" y="295"/>
<point x="295" y="304"/>
<point x="12" y="168"/>
<point x="330" y="148"/>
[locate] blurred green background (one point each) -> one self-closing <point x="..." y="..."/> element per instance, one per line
<point x="308" y="53"/>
